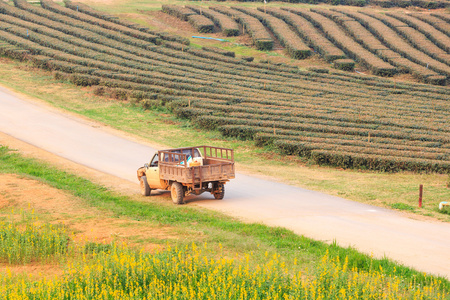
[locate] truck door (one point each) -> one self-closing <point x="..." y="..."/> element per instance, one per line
<point x="153" y="173"/>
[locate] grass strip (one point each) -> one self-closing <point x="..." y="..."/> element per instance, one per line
<point x="279" y="238"/>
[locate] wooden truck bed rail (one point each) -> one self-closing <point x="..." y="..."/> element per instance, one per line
<point x="173" y="158"/>
<point x="216" y="152"/>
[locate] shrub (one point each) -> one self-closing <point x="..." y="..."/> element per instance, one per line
<point x="241" y="132"/>
<point x="118" y="93"/>
<point x="437" y="80"/>
<point x="359" y="3"/>
<point x="247" y="58"/>
<point x="219" y="51"/>
<point x="178" y="11"/>
<point x="99" y="91"/>
<point x="201" y="23"/>
<point x="319" y="70"/>
<point x="264" y="139"/>
<point x="84" y="80"/>
<point x="264" y="45"/>
<point x="176" y="46"/>
<point x="344" y="64"/>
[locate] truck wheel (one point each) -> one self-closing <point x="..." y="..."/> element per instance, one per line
<point x="145" y="188"/>
<point x="219" y="192"/>
<point x="177" y="193"/>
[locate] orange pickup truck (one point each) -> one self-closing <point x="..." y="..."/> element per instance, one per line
<point x="188" y="171"/>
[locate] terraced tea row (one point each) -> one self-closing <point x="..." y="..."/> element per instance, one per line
<point x="228" y="26"/>
<point x="199" y="22"/>
<point x="379" y="25"/>
<point x="330" y="118"/>
<point x="261" y="38"/>
<point x="420" y="49"/>
<point x="309" y="33"/>
<point x="433" y="30"/>
<point x="294" y="45"/>
<point x="374" y="45"/>
<point x="349" y="45"/>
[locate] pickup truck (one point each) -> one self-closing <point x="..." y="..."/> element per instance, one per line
<point x="188" y="171"/>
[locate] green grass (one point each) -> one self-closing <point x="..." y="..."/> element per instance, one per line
<point x="445" y="210"/>
<point x="402" y="206"/>
<point x="217" y="229"/>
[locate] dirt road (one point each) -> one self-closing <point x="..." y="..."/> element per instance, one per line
<point x="423" y="245"/>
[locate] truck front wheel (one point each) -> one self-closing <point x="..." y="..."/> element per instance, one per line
<point x="177" y="193"/>
<point x="219" y="191"/>
<point x="145" y="188"/>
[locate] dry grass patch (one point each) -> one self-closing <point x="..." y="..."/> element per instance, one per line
<point x="87" y="224"/>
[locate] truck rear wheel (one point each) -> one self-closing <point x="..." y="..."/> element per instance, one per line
<point x="219" y="191"/>
<point x="177" y="193"/>
<point x="145" y="188"/>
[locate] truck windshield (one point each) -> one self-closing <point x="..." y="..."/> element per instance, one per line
<point x="154" y="161"/>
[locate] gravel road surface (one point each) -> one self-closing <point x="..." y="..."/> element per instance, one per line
<point x="424" y="245"/>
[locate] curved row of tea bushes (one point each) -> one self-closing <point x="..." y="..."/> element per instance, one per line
<point x="376" y="23"/>
<point x="39" y="15"/>
<point x="77" y="6"/>
<point x="442" y="16"/>
<point x="418" y="39"/>
<point x="50" y="5"/>
<point x="436" y="22"/>
<point x="180" y="12"/>
<point x="261" y="38"/>
<point x="201" y="23"/>
<point x="295" y="46"/>
<point x="228" y="26"/>
<point x="220" y="51"/>
<point x="438" y="37"/>
<point x="373" y="44"/>
<point x="309" y="33"/>
<point x="350" y="46"/>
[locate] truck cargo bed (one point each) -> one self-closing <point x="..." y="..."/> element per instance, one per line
<point x="218" y="165"/>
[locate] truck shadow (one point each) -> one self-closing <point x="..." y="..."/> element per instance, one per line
<point x="187" y="199"/>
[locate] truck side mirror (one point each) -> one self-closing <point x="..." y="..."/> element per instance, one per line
<point x="146" y="166"/>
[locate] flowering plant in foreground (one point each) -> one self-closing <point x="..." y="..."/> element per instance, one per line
<point x="26" y="240"/>
<point x="194" y="272"/>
